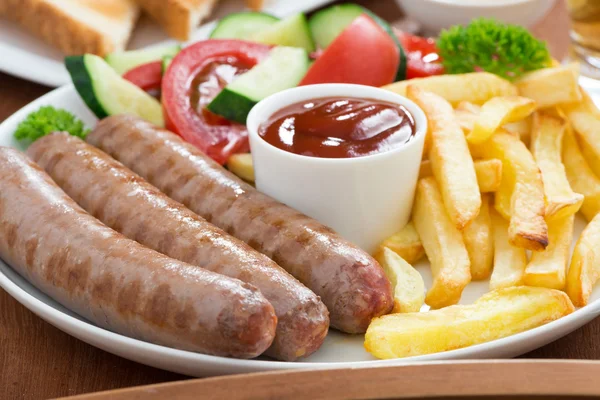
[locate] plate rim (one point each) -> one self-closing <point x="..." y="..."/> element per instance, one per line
<point x="224" y="365"/>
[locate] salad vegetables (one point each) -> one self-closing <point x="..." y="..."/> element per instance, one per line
<point x="206" y="90"/>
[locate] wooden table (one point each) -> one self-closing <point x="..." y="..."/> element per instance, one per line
<point x="39" y="361"/>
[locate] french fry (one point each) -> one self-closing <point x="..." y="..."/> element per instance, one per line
<point x="443" y="244"/>
<point x="521" y="128"/>
<point x="475" y="87"/>
<point x="548" y="268"/>
<point x="479" y="241"/>
<point x="509" y="261"/>
<point x="550" y="87"/>
<point x="581" y="177"/>
<point x="522" y="184"/>
<point x="586" y="124"/>
<point x="497" y="112"/>
<point x="409" y="289"/>
<point x="546" y="147"/>
<point x="450" y="158"/>
<point x="585" y="264"/>
<point x="497" y="314"/>
<point x="488" y="172"/>
<point x="405" y="243"/>
<point x="242" y="166"/>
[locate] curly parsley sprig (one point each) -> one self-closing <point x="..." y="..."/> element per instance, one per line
<point x="489" y="45"/>
<point x="46" y="120"/>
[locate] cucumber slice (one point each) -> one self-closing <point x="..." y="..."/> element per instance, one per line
<point x="165" y="62"/>
<point x="327" y="24"/>
<point x="242" y="25"/>
<point x="106" y="93"/>
<point x="283" y="69"/>
<point x="292" y="31"/>
<point x="125" y="60"/>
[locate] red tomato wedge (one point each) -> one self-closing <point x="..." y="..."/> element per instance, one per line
<point x="195" y="76"/>
<point x="422" y="55"/>
<point x="363" y="53"/>
<point x="146" y="76"/>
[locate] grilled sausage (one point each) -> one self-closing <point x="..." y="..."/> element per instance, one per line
<point x="117" y="283"/>
<point x="127" y="203"/>
<point x="349" y="281"/>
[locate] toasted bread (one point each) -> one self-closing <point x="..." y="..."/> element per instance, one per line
<point x="255" y="5"/>
<point x="76" y="26"/>
<point x="178" y="18"/>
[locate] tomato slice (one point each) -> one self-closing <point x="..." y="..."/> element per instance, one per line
<point x="146" y="76"/>
<point x="422" y="56"/>
<point x="363" y="53"/>
<point x="195" y="76"/>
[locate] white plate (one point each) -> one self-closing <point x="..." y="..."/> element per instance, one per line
<point x="27" y="57"/>
<point x="338" y="351"/>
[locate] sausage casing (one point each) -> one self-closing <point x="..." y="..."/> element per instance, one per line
<point x="130" y="205"/>
<point x="117" y="283"/>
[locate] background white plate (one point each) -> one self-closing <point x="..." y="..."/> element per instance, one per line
<point x="339" y="350"/>
<point x="27" y="57"/>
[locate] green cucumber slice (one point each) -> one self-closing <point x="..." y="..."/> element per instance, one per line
<point x="106" y="93"/>
<point x="328" y="23"/>
<point x="126" y="60"/>
<point x="242" y="25"/>
<point x="292" y="31"/>
<point x="283" y="69"/>
<point x="165" y="62"/>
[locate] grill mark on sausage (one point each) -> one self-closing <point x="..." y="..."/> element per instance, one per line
<point x="103" y="288"/>
<point x="31" y="246"/>
<point x="10" y="232"/>
<point x="129" y="298"/>
<point x="158" y="306"/>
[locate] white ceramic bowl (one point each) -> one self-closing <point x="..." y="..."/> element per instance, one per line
<point x="435" y="15"/>
<point x="365" y="199"/>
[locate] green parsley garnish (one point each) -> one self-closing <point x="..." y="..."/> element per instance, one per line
<point x="47" y="120"/>
<point x="489" y="45"/>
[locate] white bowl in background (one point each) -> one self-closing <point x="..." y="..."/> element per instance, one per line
<point x="435" y="15"/>
<point x="365" y="199"/>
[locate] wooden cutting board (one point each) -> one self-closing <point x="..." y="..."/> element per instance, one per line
<point x="523" y="378"/>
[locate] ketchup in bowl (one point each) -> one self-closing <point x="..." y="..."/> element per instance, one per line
<point x="339" y="127"/>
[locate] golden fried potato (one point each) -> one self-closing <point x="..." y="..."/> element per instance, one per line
<point x="242" y="166"/>
<point x="585" y="121"/>
<point x="546" y="147"/>
<point x="509" y="261"/>
<point x="497" y="112"/>
<point x="550" y="87"/>
<point x="488" y="172"/>
<point x="581" y="177"/>
<point x="548" y="268"/>
<point x="405" y="243"/>
<point x="497" y="314"/>
<point x="521" y="128"/>
<point x="451" y="161"/>
<point x="443" y="244"/>
<point x="475" y="87"/>
<point x="585" y="264"/>
<point x="522" y="184"/>
<point x="409" y="289"/>
<point x="479" y="241"/>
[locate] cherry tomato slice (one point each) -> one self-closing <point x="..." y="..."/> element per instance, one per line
<point x="363" y="53"/>
<point x="422" y="56"/>
<point x="194" y="77"/>
<point x="146" y="76"/>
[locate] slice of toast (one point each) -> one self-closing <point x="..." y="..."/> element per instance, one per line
<point x="76" y="26"/>
<point x="178" y="18"/>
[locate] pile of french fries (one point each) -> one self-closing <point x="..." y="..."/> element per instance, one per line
<point x="505" y="169"/>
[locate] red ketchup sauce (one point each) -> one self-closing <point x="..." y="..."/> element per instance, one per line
<point x="337" y="127"/>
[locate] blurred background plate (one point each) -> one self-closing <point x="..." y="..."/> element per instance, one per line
<point x="25" y="56"/>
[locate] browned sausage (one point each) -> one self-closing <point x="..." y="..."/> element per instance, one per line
<point x="117" y="283"/>
<point x="127" y="203"/>
<point x="350" y="282"/>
